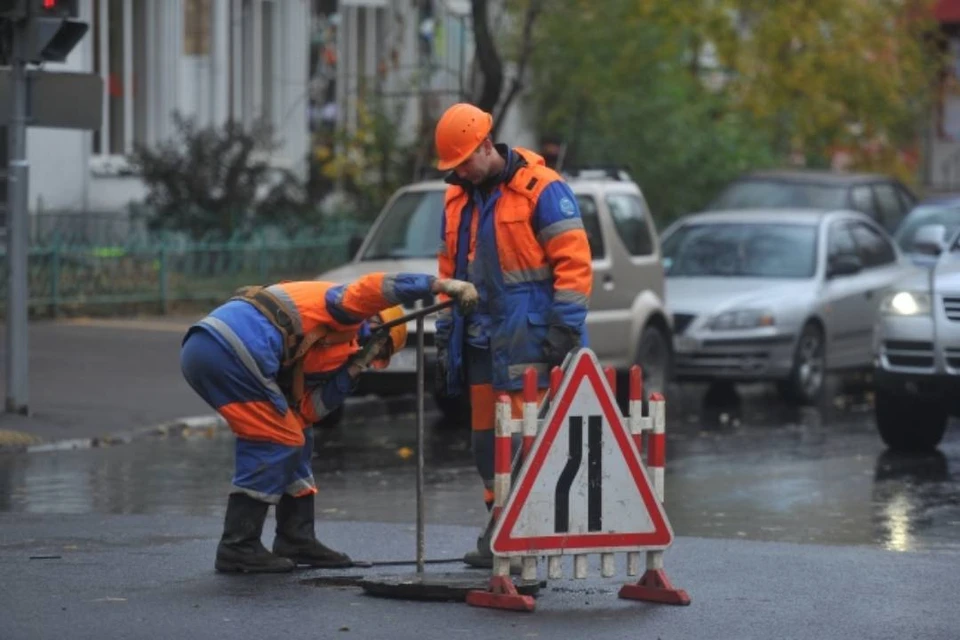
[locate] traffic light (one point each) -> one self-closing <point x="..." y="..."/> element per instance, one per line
<point x="49" y="27"/>
<point x="52" y="33"/>
<point x="51" y="39"/>
<point x="20" y="9"/>
<point x="59" y="8"/>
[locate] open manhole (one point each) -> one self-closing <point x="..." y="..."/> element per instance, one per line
<point x="437" y="586"/>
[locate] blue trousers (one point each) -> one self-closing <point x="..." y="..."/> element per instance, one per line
<point x="264" y="469"/>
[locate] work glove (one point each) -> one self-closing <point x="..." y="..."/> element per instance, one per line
<point x="462" y="291"/>
<point x="372" y="350"/>
<point x="560" y="341"/>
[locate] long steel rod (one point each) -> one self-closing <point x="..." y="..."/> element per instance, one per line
<point x="413" y="315"/>
<point x="421" y="546"/>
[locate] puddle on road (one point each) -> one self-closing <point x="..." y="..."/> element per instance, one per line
<point x="765" y="472"/>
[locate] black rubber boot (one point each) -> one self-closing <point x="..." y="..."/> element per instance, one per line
<point x="296" y="538"/>
<point x="240" y="549"/>
<point x="482" y="556"/>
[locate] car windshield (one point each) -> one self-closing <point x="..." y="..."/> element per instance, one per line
<point x="777" y="194"/>
<point x="749" y="250"/>
<point x="410" y="227"/>
<point x="947" y="215"/>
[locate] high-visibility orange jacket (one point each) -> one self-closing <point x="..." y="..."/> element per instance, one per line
<point x="258" y="343"/>
<point x="524" y="247"/>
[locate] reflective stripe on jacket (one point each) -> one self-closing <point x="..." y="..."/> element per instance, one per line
<point x="525" y="249"/>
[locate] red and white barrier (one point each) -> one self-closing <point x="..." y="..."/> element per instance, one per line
<point x="654" y="586"/>
<point x="502" y="593"/>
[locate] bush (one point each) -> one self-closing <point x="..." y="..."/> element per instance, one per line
<point x="217" y="182"/>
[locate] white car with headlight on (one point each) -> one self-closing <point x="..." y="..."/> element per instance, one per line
<point x="917" y="342"/>
<point x="782" y="296"/>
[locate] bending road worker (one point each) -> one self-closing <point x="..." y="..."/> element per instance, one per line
<point x="512" y="227"/>
<point x="247" y="360"/>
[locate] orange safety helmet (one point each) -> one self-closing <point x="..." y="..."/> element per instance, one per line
<point x="398" y="334"/>
<point x="459" y="132"/>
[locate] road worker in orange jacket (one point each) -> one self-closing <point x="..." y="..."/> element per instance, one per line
<point x="250" y="359"/>
<point x="512" y="227"/>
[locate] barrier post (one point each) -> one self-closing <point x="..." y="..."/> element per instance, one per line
<point x="608" y="560"/>
<point x="654" y="586"/>
<point x="502" y="592"/>
<point x="636" y="423"/>
<point x="530" y="425"/>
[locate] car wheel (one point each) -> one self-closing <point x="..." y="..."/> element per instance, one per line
<point x="655" y="360"/>
<point x="332" y="420"/>
<point x="455" y="410"/>
<point x="808" y="376"/>
<point x="907" y="425"/>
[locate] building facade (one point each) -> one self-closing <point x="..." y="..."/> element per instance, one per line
<point x="413" y="57"/>
<point x="211" y="60"/>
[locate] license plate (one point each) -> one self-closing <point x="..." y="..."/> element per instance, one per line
<point x="405" y="360"/>
<point x="685" y="343"/>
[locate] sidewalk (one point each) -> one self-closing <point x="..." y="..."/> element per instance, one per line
<point x="95" y="382"/>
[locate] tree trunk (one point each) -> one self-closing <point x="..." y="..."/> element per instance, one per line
<point x="526" y="49"/>
<point x="490" y="65"/>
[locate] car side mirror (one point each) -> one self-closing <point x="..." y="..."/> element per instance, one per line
<point x="929" y="239"/>
<point x="844" y="265"/>
<point x="353" y="246"/>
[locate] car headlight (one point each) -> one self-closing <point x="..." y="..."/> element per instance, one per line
<point x="906" y="303"/>
<point x="742" y="319"/>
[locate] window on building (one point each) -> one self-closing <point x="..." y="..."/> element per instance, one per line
<point x="268" y="12"/>
<point x="251" y="61"/>
<point x="119" y="57"/>
<point x="196" y="27"/>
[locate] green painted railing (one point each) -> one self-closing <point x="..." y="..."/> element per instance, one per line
<point x="152" y="276"/>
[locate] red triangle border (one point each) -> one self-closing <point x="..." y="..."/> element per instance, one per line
<point x="584" y="367"/>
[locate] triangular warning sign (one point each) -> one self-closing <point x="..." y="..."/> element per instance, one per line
<point x="583" y="488"/>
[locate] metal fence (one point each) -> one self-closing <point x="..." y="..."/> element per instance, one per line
<point x="154" y="275"/>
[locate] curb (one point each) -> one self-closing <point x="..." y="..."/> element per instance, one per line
<point x="24" y="442"/>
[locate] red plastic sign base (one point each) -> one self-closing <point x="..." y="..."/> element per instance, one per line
<point x="654" y="586"/>
<point x="501" y="595"/>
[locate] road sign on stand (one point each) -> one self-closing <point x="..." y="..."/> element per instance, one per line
<point x="583" y="488"/>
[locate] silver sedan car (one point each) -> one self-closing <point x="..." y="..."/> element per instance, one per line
<point x="918" y="349"/>
<point x="780" y="296"/>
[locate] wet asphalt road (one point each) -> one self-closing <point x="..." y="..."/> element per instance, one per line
<point x="740" y="465"/>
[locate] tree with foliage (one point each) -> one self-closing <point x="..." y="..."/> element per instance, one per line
<point x="368" y="164"/>
<point x="690" y="94"/>
<point x="618" y="89"/>
<point x="217" y="182"/>
<point x="825" y="76"/>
